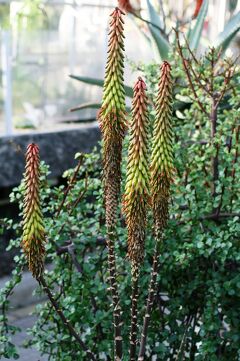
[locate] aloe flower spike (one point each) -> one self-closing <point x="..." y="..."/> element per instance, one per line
<point x="161" y="179"/>
<point x="162" y="150"/>
<point x="112" y="124"/>
<point x="136" y="196"/>
<point x="33" y="238"/>
<point x="112" y="117"/>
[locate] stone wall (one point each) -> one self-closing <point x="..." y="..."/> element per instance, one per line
<point x="57" y="149"/>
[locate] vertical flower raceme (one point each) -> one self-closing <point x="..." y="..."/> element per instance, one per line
<point x="33" y="229"/>
<point x="112" y="123"/>
<point x="112" y="117"/>
<point x="161" y="179"/>
<point x="136" y="196"/>
<point x="125" y="6"/>
<point x="162" y="151"/>
<point x="197" y="8"/>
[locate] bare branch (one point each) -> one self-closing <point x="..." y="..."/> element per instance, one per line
<point x="70" y="185"/>
<point x="184" y="62"/>
<point x="65" y="321"/>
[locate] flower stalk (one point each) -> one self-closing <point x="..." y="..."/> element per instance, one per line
<point x="136" y="198"/>
<point x="113" y="124"/>
<point x="162" y="152"/>
<point x="161" y="179"/>
<point x="33" y="238"/>
<point x="112" y="117"/>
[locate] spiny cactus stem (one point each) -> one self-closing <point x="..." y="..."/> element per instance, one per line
<point x="151" y="294"/>
<point x="65" y="321"/>
<point x="134" y="313"/>
<point x="117" y="323"/>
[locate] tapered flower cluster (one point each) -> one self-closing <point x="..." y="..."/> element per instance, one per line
<point x="162" y="151"/>
<point x="112" y="117"/>
<point x="136" y="196"/>
<point x="125" y="6"/>
<point x="33" y="229"/>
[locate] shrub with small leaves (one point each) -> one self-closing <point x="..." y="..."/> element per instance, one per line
<point x="196" y="311"/>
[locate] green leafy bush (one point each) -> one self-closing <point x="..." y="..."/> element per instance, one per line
<point x="196" y="313"/>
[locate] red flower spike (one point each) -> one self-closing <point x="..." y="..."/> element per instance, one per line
<point x="33" y="238"/>
<point x="197" y="8"/>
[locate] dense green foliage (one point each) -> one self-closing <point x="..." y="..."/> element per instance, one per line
<point x="197" y="309"/>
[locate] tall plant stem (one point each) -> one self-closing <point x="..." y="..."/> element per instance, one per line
<point x="113" y="124"/>
<point x="65" y="321"/>
<point x="134" y="314"/>
<point x="151" y="293"/>
<point x="137" y="196"/>
<point x="115" y="296"/>
<point x="213" y="119"/>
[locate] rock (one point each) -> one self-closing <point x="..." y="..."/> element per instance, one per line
<point x="57" y="149"/>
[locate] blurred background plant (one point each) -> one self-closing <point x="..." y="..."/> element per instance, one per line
<point x="48" y="40"/>
<point x="158" y="22"/>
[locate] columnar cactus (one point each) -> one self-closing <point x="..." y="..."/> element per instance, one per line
<point x="162" y="151"/>
<point x="112" y="117"/>
<point x="136" y="196"/>
<point x="33" y="238"/>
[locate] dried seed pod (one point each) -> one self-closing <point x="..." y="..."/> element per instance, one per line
<point x="136" y="196"/>
<point x="162" y="150"/>
<point x="33" y="238"/>
<point x="112" y="117"/>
